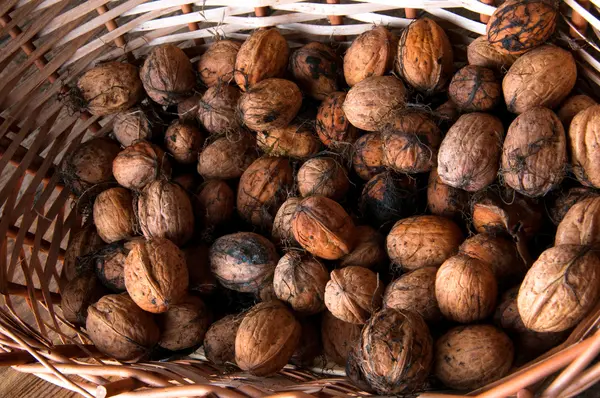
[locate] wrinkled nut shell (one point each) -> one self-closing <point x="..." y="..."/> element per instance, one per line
<point x="282" y="224"/>
<point x="217" y="109"/>
<point x="581" y="224"/>
<point x="219" y="340"/>
<point x="386" y="198"/>
<point x="414" y="291"/>
<point x="367" y="160"/>
<point x="323" y="177"/>
<point x="315" y="67"/>
<point x="482" y="53"/>
<point x="369" y="249"/>
<point x="109" y="265"/>
<point x="572" y="106"/>
<point x="139" y="164"/>
<point x="584" y="140"/>
<point x="227" y="157"/>
<point x="217" y="64"/>
<point x="293" y="141"/>
<point x="81" y="243"/>
<point x="215" y="201"/>
<point x="132" y="125"/>
<point x="475" y="89"/>
<point x="183" y="142"/>
<point x="564" y="200"/>
<point x="78" y="295"/>
<point x="371" y="54"/>
<point x="113" y="215"/>
<point x="338" y="337"/>
<point x="445" y="200"/>
<point x="184" y="324"/>
<point x="332" y="126"/>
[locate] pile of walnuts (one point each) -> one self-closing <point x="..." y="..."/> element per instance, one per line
<point x="278" y="206"/>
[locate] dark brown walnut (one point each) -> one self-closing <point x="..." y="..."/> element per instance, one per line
<point x="564" y="200"/>
<point x="114" y="216"/>
<point x="217" y="64"/>
<point x="469" y="357"/>
<point x="263" y="187"/>
<point x="560" y="288"/>
<point x="584" y="140"/>
<point x="228" y="156"/>
<point x="322" y="227"/>
<point x="371" y="54"/>
<point x="466" y="289"/>
<point x="572" y="106"/>
<point x="324" y="177"/>
<point x="120" y="329"/>
<point x="369" y="249"/>
<point x="139" y="164"/>
<point x="353" y="294"/>
<point x="156" y="274"/>
<point x="469" y="155"/>
<point x="332" y="126"/>
<point x="110" y="88"/>
<point x="266" y="338"/>
<point x="270" y="104"/>
<point x="542" y="77"/>
<point x="184" y="324"/>
<point x="165" y="211"/>
<point x="187" y="181"/>
<point x="82" y="242"/>
<point x="534" y="154"/>
<point x="410" y="141"/>
<point x="355" y="373"/>
<point x="168" y="75"/>
<point x="483" y="53"/>
<point x="517" y="26"/>
<point x="89" y="165"/>
<point x="294" y="141"/>
<point x="78" y="295"/>
<point x="447" y="113"/>
<point x="183" y="141"/>
<point x="415" y="292"/>
<point x="395" y="352"/>
<point x="425" y="58"/>
<point x="243" y="261"/>
<point x="316" y="68"/>
<point x="263" y="55"/>
<point x="300" y="281"/>
<point x="423" y="241"/>
<point x="217" y="109"/>
<point x="282" y="223"/>
<point x="367" y="160"/>
<point x="109" y="264"/>
<point x="387" y="197"/>
<point x="445" y="200"/>
<point x="201" y="279"/>
<point x="132" y="125"/>
<point x="187" y="110"/>
<point x="580" y="225"/>
<point x="309" y="347"/>
<point x="475" y="89"/>
<point x="338" y="337"/>
<point x="371" y="100"/>
<point x="219" y="340"/>
<point x="499" y="253"/>
<point x="215" y="203"/>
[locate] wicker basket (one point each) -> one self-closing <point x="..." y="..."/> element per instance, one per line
<point x="46" y="44"/>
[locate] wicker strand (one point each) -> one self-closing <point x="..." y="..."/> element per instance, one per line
<point x="579" y="21"/>
<point x="483" y="17"/>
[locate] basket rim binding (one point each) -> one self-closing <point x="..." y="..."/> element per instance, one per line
<point x="81" y="43"/>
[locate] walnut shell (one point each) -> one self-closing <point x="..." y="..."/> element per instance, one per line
<point x="167" y="75"/>
<point x="262" y="189"/>
<point x="446" y="113"/>
<point x="109" y="265"/>
<point x="322" y="227"/>
<point x="110" y="88"/>
<point x="518" y="26"/>
<point x="332" y="126"/>
<point x="282" y="223"/>
<point x="243" y="261"/>
<point x="445" y="200"/>
<point x="367" y="159"/>
<point x="470" y="153"/>
<point x="316" y="67"/>
<point x="113" y="215"/>
<point x="78" y="295"/>
<point x="425" y="58"/>
<point x="395" y="352"/>
<point x="338" y="337"/>
<point x="410" y="142"/>
<point x="373" y="98"/>
<point x="534" y="154"/>
<point x="323" y="176"/>
<point x="369" y="249"/>
<point x="219" y="340"/>
<point x="483" y="53"/>
<point x="156" y="274"/>
<point x="188" y="181"/>
<point x="542" y="77"/>
<point x="217" y="64"/>
<point x="415" y="292"/>
<point x="475" y="89"/>
<point x="386" y="198"/>
<point x="187" y="110"/>
<point x="469" y="357"/>
<point x="583" y="146"/>
<point x="423" y="241"/>
<point x="132" y="125"/>
<point x="120" y="329"/>
<point x="81" y="243"/>
<point x="580" y="225"/>
<point x="294" y="141"/>
<point x="201" y="279"/>
<point x="165" y="211"/>
<point x="560" y="288"/>
<point x="371" y="54"/>
<point x="139" y="164"/>
<point x="564" y="200"/>
<point x="183" y="141"/>
<point x="309" y="346"/>
<point x="227" y="157"/>
<point x="215" y="203"/>
<point x="266" y="338"/>
<point x="184" y="324"/>
<point x="300" y="281"/>
<point x="270" y="104"/>
<point x="572" y="106"/>
<point x="353" y="294"/>
<point x="466" y="289"/>
<point x="217" y="109"/>
<point x="263" y="55"/>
